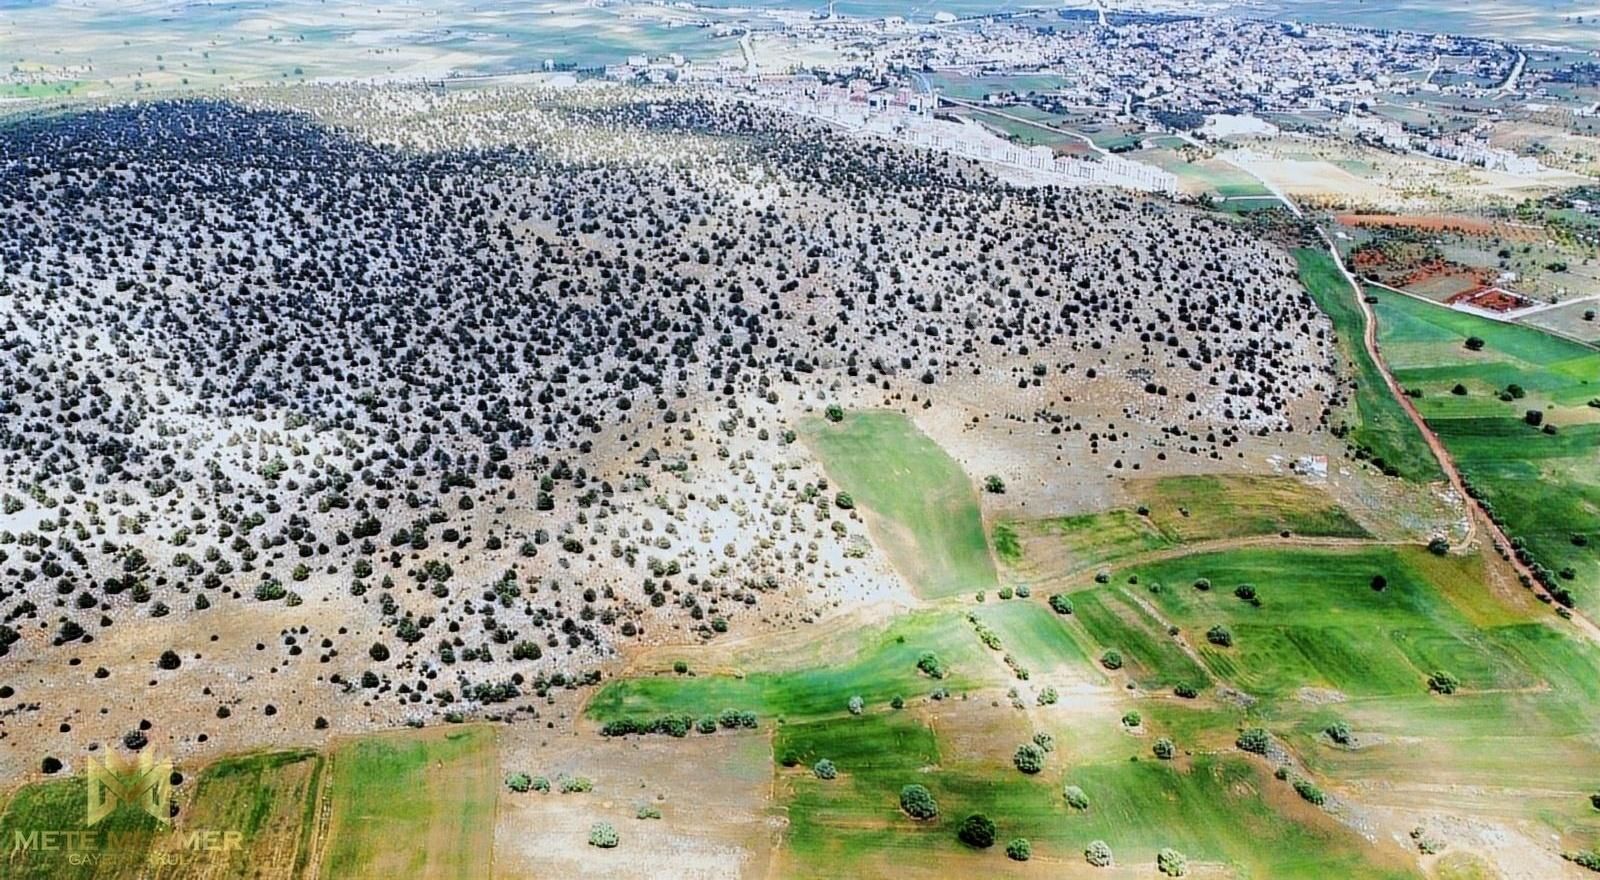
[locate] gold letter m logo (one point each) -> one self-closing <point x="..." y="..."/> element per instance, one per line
<point x="146" y="784"/>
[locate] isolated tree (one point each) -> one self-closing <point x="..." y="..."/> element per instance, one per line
<point x="918" y="802"/>
<point x="977" y="830"/>
<point x="1029" y="758"/>
<point x="1255" y="740"/>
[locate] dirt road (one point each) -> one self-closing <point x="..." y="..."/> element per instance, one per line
<point x="1476" y="513"/>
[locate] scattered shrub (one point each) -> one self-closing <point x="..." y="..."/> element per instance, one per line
<point x="1060" y="604"/>
<point x="1097" y="853"/>
<point x="1076" y="798"/>
<point x="930" y="663"/>
<point x="1048" y="696"/>
<point x="1164" y="749"/>
<point x="824" y="769"/>
<point x="977" y="830"/>
<point x="1443" y="682"/>
<point x="603" y="835"/>
<point x="519" y="782"/>
<point x="1254" y="740"/>
<point x="574" y="784"/>
<point x="856" y="705"/>
<point x="1172" y="863"/>
<point x="1308" y="790"/>
<point x="1029" y="758"/>
<point x="1339" y="732"/>
<point x="1111" y="659"/>
<point x="918" y="802"/>
<point x="1045" y="741"/>
<point x="1019" y="850"/>
<point x="1220" y="636"/>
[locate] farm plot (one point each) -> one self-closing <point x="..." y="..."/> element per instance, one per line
<point x="922" y="508"/>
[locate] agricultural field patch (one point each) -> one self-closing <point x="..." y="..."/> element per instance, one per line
<point x="434" y="790"/>
<point x="923" y="508"/>
<point x="1540" y="480"/>
<point x="1370" y="418"/>
<point x="1311" y="617"/>
<point x="266" y="799"/>
<point x="1171" y="512"/>
<point x="884" y="667"/>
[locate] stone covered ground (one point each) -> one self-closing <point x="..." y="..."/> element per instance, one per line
<point x="335" y="408"/>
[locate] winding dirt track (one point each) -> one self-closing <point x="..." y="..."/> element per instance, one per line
<point x="1475" y="511"/>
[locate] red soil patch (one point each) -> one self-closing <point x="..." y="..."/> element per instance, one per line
<point x="1446" y="223"/>
<point x="1494" y="299"/>
<point x="1438" y="268"/>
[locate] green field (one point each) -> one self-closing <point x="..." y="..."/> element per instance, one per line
<point x="270" y="799"/>
<point x="1376" y="424"/>
<point x="1178" y="511"/>
<point x="1545" y="487"/>
<point x="122" y="839"/>
<point x="884" y="666"/>
<point x="413" y="805"/>
<point x="265" y="798"/>
<point x="924" y="510"/>
<point x="1320" y="624"/>
<point x="1213" y="809"/>
<point x="1034" y="635"/>
<point x="1208" y="175"/>
<point x="1522" y="716"/>
<point x="973" y="88"/>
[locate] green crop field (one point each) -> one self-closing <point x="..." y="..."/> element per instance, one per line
<point x="1212" y="175"/>
<point x="1545" y="487"/>
<point x="885" y="667"/>
<point x="924" y="509"/>
<point x="1376" y="423"/>
<point x="1178" y="511"/>
<point x="434" y="790"/>
<point x="266" y="798"/>
<point x="1321" y="624"/>
<point x="270" y="799"/>
<point x="1215" y="809"/>
<point x="1036" y="636"/>
<point x="121" y="843"/>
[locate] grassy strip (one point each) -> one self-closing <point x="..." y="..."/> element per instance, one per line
<point x="925" y="511"/>
<point x="1378" y="427"/>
